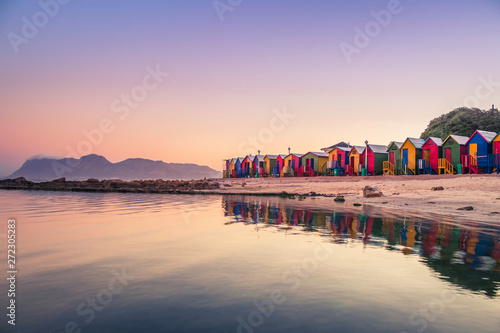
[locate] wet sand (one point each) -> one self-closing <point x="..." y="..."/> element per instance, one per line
<point x="411" y="194"/>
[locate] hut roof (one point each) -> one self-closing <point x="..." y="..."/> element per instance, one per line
<point x="359" y="149"/>
<point x="488" y="136"/>
<point x="461" y="140"/>
<point x="397" y="143"/>
<point x="417" y="143"/>
<point x="337" y="145"/>
<point x="316" y="153"/>
<point x="272" y="157"/>
<point x="378" y="149"/>
<point x="259" y="157"/>
<point x="437" y="141"/>
<point x="293" y="154"/>
<point x="346" y="149"/>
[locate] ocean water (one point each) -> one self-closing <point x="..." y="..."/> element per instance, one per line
<point x="112" y="262"/>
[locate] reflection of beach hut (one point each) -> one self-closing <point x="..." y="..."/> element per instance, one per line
<point x="377" y="155"/>
<point x="354" y="162"/>
<point x="338" y="158"/>
<point x="393" y="165"/>
<point x="313" y="163"/>
<point x="258" y="165"/>
<point x="431" y="153"/>
<point x="291" y="165"/>
<point x="453" y="148"/>
<point x="411" y="152"/>
<point x="247" y="166"/>
<point x="479" y="146"/>
<point x="269" y="163"/>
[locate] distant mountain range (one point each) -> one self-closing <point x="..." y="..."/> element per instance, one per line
<point x="96" y="166"/>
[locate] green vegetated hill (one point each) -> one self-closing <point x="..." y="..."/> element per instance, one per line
<point x="463" y="121"/>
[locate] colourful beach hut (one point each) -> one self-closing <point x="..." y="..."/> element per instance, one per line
<point x="431" y="153"/>
<point x="375" y="155"/>
<point x="247" y="166"/>
<point x="393" y="165"/>
<point x="258" y="165"/>
<point x="280" y="163"/>
<point x="238" y="167"/>
<point x="411" y="152"/>
<point x="225" y="168"/>
<point x="313" y="163"/>
<point x="494" y="157"/>
<point x="453" y="148"/>
<point x="354" y="161"/>
<point x="338" y="158"/>
<point x="269" y="164"/>
<point x="479" y="146"/>
<point x="291" y="165"/>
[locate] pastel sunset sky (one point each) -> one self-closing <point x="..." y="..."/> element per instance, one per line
<point x="91" y="76"/>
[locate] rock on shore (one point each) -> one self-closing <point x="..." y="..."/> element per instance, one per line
<point x="113" y="185"/>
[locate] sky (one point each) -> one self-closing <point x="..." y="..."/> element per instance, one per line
<point x="199" y="81"/>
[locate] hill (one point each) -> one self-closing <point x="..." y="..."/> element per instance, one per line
<point x="96" y="166"/>
<point x="463" y="121"/>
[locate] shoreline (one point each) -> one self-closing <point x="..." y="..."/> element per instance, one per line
<point x="411" y="194"/>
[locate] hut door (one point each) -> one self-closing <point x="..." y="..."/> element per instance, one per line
<point x="312" y="163"/>
<point x="496" y="147"/>
<point x="427" y="155"/>
<point x="473" y="150"/>
<point x="405" y="155"/>
<point x="293" y="164"/>
<point x="352" y="161"/>
<point x="391" y="157"/>
<point x="339" y="157"/>
<point x="447" y="154"/>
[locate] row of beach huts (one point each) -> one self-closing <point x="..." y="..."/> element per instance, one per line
<point x="479" y="153"/>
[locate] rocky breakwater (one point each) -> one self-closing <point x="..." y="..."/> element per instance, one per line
<point x="113" y="185"/>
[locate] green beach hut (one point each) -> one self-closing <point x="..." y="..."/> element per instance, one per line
<point x="453" y="147"/>
<point x="393" y="165"/>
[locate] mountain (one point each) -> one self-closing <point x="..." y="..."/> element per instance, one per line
<point x="463" y="121"/>
<point x="96" y="166"/>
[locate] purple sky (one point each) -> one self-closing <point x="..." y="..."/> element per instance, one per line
<point x="65" y="85"/>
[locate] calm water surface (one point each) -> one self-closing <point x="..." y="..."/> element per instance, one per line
<point x="95" y="262"/>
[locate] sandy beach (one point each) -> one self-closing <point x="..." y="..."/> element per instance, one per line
<point x="408" y="193"/>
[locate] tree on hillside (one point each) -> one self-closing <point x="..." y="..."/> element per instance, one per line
<point x="463" y="121"/>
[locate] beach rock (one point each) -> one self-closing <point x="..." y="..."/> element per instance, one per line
<point x="243" y="184"/>
<point x="59" y="180"/>
<point x="339" y="198"/>
<point x="372" y="192"/>
<point x="20" y="180"/>
<point x="437" y="188"/>
<point x="466" y="208"/>
<point x="92" y="180"/>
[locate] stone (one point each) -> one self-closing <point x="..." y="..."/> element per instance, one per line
<point x="372" y="192"/>
<point x="437" y="188"/>
<point x="466" y="208"/>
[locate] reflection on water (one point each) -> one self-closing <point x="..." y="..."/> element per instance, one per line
<point x="190" y="265"/>
<point x="466" y="254"/>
